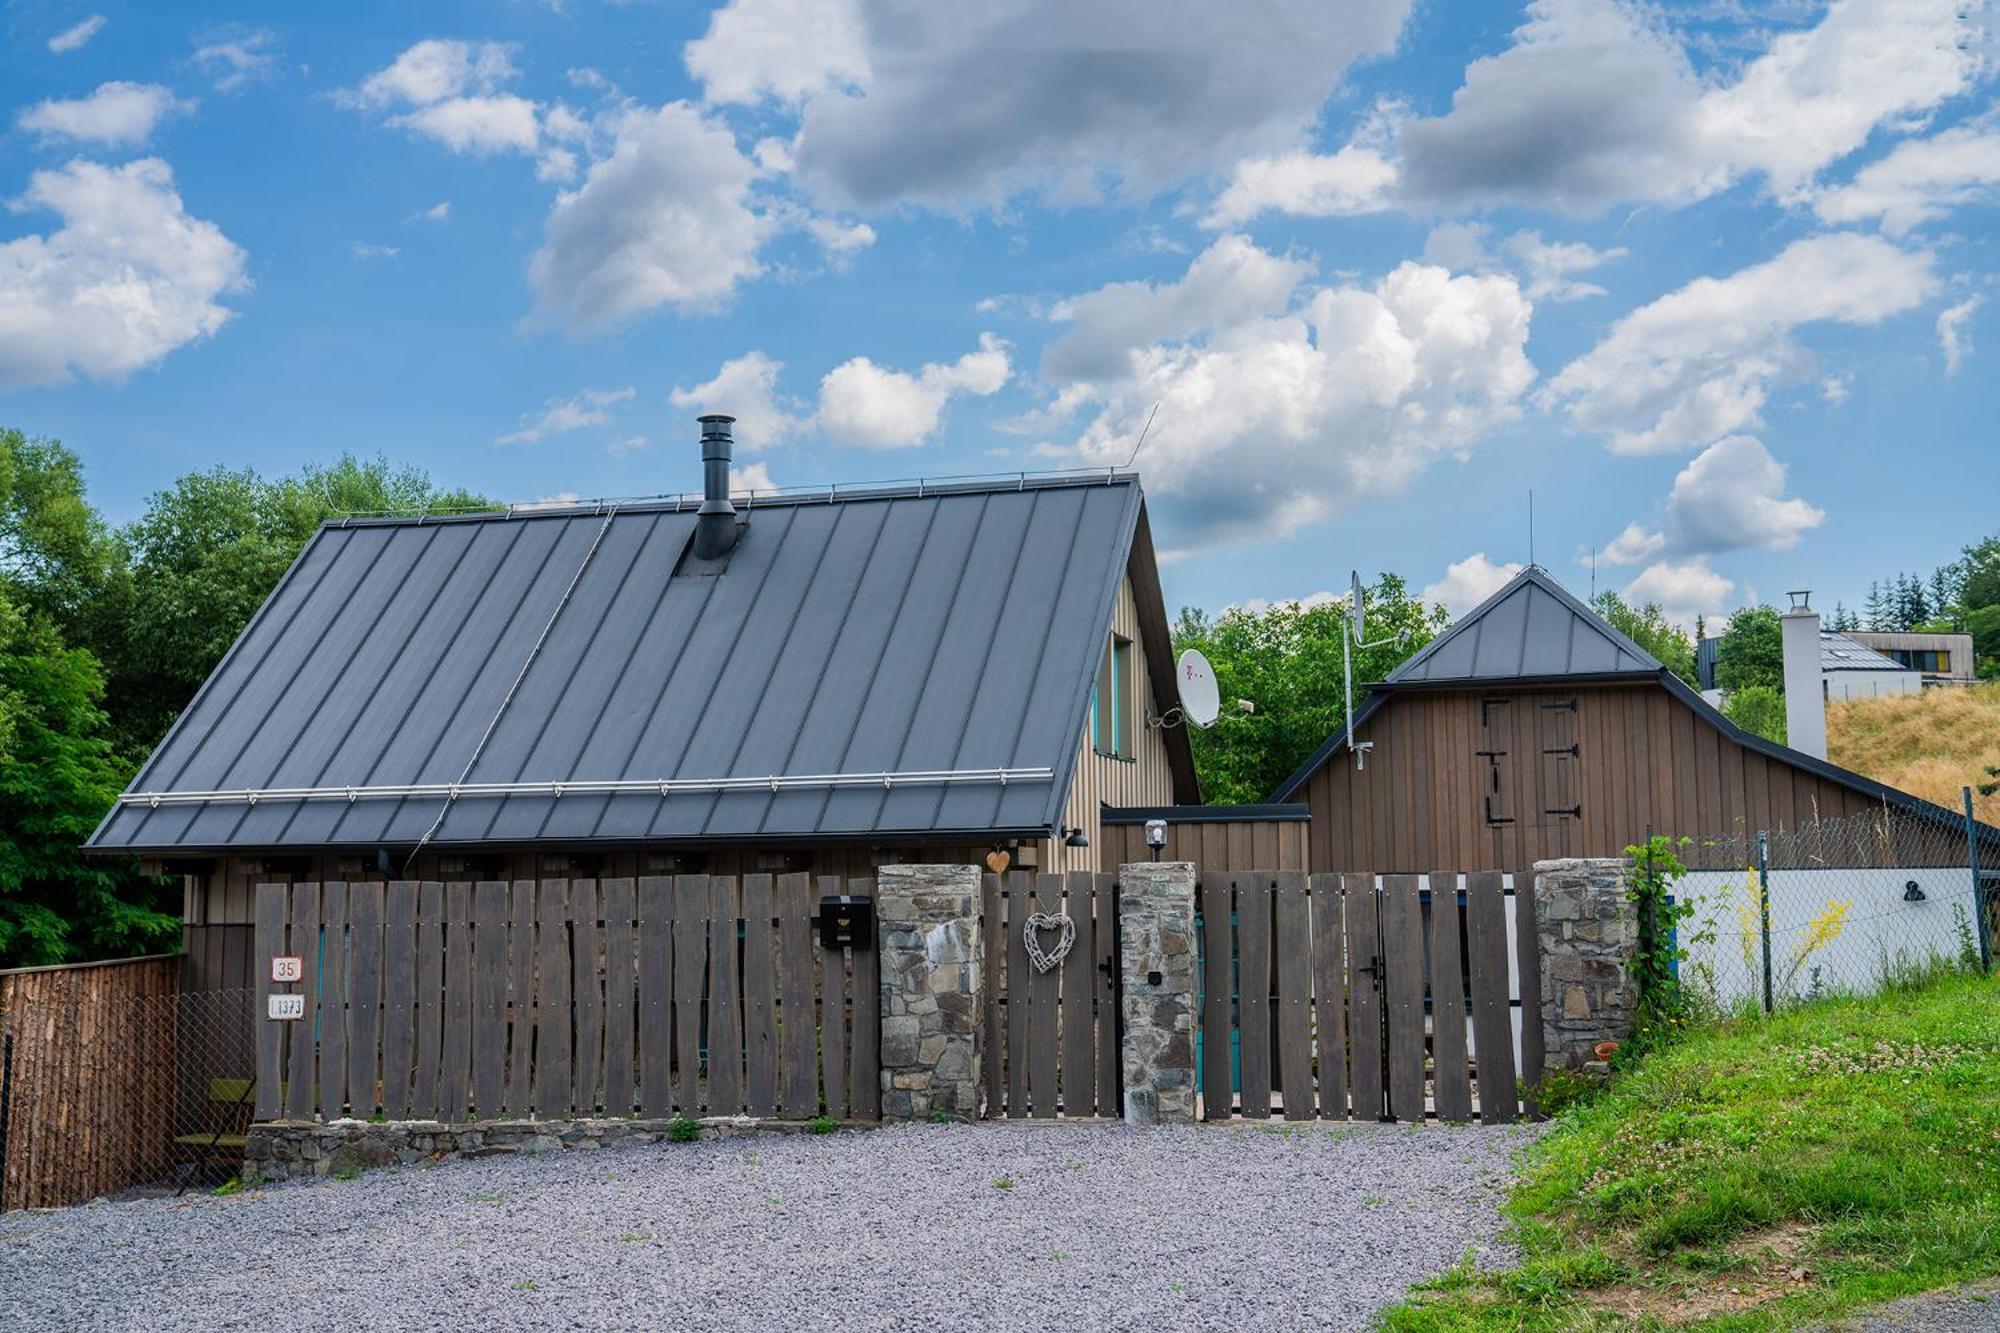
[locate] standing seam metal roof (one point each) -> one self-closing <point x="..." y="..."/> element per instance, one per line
<point x="874" y="632"/>
<point x="1531" y="627"/>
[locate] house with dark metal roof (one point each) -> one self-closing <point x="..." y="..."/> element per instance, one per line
<point x="1532" y="729"/>
<point x="820" y="680"/>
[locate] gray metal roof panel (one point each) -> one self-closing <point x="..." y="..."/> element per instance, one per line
<point x="874" y="632"/>
<point x="1530" y="627"/>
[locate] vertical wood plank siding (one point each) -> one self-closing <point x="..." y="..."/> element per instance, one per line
<point x="1102" y="780"/>
<point x="1231" y="845"/>
<point x="1645" y="761"/>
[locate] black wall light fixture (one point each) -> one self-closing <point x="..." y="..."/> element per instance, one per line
<point x="1912" y="893"/>
<point x="1073" y="837"/>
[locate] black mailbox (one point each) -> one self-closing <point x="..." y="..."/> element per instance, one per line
<point x="846" y="919"/>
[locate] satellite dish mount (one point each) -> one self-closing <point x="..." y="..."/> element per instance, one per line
<point x="1356" y="638"/>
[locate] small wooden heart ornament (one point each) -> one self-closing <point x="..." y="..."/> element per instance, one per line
<point x="998" y="861"/>
<point x="1031" y="936"/>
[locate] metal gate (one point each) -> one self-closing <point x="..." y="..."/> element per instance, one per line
<point x="1353" y="996"/>
<point x="1052" y="1033"/>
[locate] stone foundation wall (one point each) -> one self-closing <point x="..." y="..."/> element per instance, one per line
<point x="1157" y="982"/>
<point x="305" y="1149"/>
<point x="932" y="956"/>
<point x="1588" y="931"/>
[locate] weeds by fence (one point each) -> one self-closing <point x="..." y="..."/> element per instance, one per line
<point x="111" y="1080"/>
<point x="1877" y="901"/>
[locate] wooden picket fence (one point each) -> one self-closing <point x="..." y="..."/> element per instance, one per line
<point x="1357" y="996"/>
<point x="1051" y="1037"/>
<point x="688" y="994"/>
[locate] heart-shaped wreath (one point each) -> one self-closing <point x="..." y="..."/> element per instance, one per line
<point x="1031" y="936"/>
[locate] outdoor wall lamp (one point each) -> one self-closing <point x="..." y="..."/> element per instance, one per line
<point x="1156" y="835"/>
<point x="1073" y="837"/>
<point x="1912" y="893"/>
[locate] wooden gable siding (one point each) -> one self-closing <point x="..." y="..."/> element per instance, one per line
<point x="1238" y="844"/>
<point x="1644" y="761"/>
<point x="1101" y="780"/>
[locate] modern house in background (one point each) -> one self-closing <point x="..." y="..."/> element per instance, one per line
<point x="1941" y="659"/>
<point x="1532" y="729"/>
<point x="1849" y="668"/>
<point x="822" y="681"/>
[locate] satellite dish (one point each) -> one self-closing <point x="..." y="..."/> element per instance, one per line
<point x="1354" y="606"/>
<point x="1199" y="698"/>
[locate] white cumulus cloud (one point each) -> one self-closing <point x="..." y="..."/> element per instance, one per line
<point x="117" y="115"/>
<point x="665" y="220"/>
<point x="1468" y="582"/>
<point x="746" y="387"/>
<point x="877" y="407"/>
<point x="128" y="277"/>
<point x="1274" y="416"/>
<point x="1919" y="180"/>
<point x="1730" y="497"/>
<point x="1696" y="364"/>
<point x="1683" y="589"/>
<point x="235" y="61"/>
<point x="1596" y="103"/>
<point x="969" y="105"/>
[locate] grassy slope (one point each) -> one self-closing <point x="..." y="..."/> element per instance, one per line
<point x="1762" y="1173"/>
<point x="1930" y="744"/>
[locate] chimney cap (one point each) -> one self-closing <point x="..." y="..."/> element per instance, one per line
<point x="715" y="418"/>
<point x="1801" y="600"/>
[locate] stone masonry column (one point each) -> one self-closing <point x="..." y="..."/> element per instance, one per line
<point x="1588" y="932"/>
<point x="932" y="956"/>
<point x="1157" y="990"/>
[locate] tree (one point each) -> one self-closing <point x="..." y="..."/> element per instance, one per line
<point x="58" y="775"/>
<point x="1286" y="660"/>
<point x="55" y="552"/>
<point x="1912" y="608"/>
<point x="1759" y="709"/>
<point x="202" y="559"/>
<point x="1877" y="606"/>
<point x="1752" y="652"/>
<point x="1979" y="575"/>
<point x="1648" y="627"/>
<point x="1944" y="592"/>
<point x="1984" y="623"/>
<point x="1842" y="619"/>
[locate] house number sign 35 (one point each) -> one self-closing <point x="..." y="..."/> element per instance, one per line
<point x="286" y="968"/>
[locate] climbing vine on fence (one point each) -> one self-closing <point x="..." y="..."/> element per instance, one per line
<point x="1663" y="1001"/>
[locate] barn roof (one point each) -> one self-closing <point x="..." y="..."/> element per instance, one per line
<point x="1534" y="631"/>
<point x="1532" y="627"/>
<point x="856" y="646"/>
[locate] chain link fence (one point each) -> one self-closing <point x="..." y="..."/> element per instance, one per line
<point x="1851" y="906"/>
<point x="106" y="1095"/>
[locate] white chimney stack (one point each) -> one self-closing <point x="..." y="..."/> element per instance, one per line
<point x="1805" y="689"/>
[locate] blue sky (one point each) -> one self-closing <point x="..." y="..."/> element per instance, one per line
<point x="1712" y="280"/>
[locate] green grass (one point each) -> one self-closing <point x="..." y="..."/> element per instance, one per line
<point x="1760" y="1174"/>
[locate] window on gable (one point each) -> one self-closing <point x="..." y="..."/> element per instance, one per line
<point x="1111" y="700"/>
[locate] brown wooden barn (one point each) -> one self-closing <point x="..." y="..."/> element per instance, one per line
<point x="1532" y="729"/>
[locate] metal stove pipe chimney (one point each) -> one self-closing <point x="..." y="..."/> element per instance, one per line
<point x="715" y="527"/>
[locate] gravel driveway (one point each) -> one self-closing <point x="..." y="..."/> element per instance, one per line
<point x="1003" y="1226"/>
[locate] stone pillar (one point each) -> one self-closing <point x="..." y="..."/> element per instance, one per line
<point x="932" y="956"/>
<point x="1588" y="931"/>
<point x="1157" y="990"/>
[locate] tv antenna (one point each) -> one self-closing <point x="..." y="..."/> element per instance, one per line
<point x="1356" y="637"/>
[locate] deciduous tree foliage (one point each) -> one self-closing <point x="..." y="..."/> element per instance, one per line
<point x="104" y="637"/>
<point x="1648" y="627"/>
<point x="1752" y="651"/>
<point x="1285" y="659"/>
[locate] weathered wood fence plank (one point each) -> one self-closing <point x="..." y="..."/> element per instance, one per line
<point x="1364" y="994"/>
<point x="399" y="979"/>
<point x="656" y="995"/>
<point x="588" y="984"/>
<point x="1492" y="1021"/>
<point x="1451" y="1077"/>
<point x="271" y="931"/>
<point x="1078" y="1000"/>
<point x="760" y="997"/>
<point x="621" y="982"/>
<point x="1253" y="991"/>
<point x="489" y="998"/>
<point x="798" y="1037"/>
<point x="725" y="1002"/>
<point x="301" y="1091"/>
<point x="1218" y="1087"/>
<point x="1329" y="997"/>
<point x="1294" y="948"/>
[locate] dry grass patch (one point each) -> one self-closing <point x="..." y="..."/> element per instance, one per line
<point x="1931" y="744"/>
